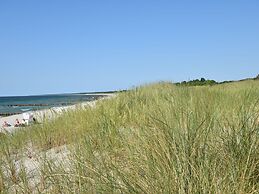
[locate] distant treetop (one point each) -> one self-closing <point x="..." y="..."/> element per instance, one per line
<point x="197" y="82"/>
<point x="203" y="81"/>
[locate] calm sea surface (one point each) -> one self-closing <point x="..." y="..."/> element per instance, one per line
<point x="19" y="104"/>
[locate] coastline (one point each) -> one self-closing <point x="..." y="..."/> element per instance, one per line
<point x="46" y="114"/>
<point x="15" y="105"/>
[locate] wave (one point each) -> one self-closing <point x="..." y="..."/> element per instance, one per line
<point x="25" y="109"/>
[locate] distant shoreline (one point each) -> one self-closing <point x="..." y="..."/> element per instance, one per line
<point x="16" y="105"/>
<point x="49" y="113"/>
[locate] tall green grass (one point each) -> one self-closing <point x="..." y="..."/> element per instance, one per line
<point x="157" y="138"/>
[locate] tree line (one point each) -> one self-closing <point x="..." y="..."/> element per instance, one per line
<point x="203" y="81"/>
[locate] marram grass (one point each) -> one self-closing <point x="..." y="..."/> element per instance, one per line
<point x="157" y="138"/>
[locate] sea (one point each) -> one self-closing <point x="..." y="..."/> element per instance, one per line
<point x="19" y="104"/>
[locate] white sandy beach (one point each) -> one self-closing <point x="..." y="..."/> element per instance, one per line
<point x="40" y="115"/>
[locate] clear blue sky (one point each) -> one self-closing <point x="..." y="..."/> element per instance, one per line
<point x="56" y="46"/>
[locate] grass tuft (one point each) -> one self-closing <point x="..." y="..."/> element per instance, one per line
<point x="157" y="138"/>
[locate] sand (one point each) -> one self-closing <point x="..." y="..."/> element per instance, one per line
<point x="31" y="159"/>
<point x="48" y="114"/>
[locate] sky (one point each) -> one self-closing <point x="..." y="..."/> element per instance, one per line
<point x="61" y="46"/>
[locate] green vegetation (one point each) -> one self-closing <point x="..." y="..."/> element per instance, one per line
<point x="158" y="138"/>
<point x="204" y="82"/>
<point x="197" y="82"/>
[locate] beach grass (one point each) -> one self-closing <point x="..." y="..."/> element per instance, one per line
<point x="157" y="138"/>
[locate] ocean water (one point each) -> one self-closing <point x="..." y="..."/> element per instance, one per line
<point x="20" y="104"/>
